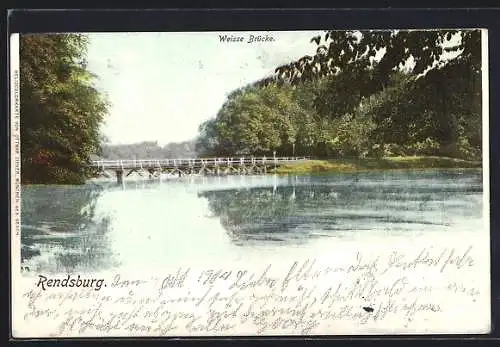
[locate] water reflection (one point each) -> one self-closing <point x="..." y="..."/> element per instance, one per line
<point x="61" y="230"/>
<point x="333" y="206"/>
<point x="143" y="223"/>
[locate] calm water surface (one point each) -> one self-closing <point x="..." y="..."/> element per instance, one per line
<point x="103" y="226"/>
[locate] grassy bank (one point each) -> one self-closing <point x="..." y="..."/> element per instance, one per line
<point x="368" y="164"/>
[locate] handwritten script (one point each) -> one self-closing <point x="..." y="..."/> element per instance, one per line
<point x="365" y="293"/>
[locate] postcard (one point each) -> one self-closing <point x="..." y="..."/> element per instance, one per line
<point x="250" y="183"/>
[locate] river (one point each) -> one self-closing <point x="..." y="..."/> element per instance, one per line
<point x="103" y="226"/>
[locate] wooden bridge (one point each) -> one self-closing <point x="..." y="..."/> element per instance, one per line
<point x="153" y="168"/>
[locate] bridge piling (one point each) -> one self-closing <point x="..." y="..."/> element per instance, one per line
<point x="119" y="176"/>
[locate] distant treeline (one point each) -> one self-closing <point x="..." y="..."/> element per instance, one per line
<point x="149" y="150"/>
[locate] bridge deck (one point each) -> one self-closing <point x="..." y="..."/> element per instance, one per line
<point x="192" y="162"/>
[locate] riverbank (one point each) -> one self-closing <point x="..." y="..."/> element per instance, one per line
<point x="369" y="164"/>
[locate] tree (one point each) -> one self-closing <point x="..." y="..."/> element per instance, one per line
<point x="61" y="110"/>
<point x="347" y="51"/>
<point x="444" y="65"/>
<point x="362" y="94"/>
<point x="259" y="120"/>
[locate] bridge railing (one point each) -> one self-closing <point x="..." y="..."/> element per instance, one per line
<point x="187" y="162"/>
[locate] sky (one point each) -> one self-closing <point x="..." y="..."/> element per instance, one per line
<point x="162" y="86"/>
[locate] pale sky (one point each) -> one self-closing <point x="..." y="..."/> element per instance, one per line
<point x="162" y="86"/>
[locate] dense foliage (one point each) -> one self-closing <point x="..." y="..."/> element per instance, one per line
<point x="421" y="97"/>
<point x="61" y="110"/>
